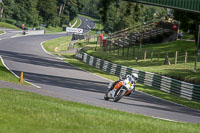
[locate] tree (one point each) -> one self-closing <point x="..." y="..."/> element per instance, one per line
<point x="48" y="11"/>
<point x="189" y="21"/>
<point x="8" y="8"/>
<point x="89" y="7"/>
<point x="117" y="15"/>
<point x="152" y="12"/>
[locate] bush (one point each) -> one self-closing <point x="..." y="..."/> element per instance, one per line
<point x="10" y="21"/>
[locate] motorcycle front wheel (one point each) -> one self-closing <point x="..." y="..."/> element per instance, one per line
<point x="119" y="95"/>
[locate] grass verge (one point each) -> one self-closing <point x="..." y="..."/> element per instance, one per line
<point x="57" y="45"/>
<point x="52" y="30"/>
<point x="23" y="112"/>
<point x="177" y="71"/>
<point x="78" y="22"/>
<point x="70" y="58"/>
<point x="5" y="75"/>
<point x="1" y="32"/>
<point x="9" y="26"/>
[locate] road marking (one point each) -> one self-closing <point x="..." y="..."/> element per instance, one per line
<point x="88" y="26"/>
<point x="16" y="74"/>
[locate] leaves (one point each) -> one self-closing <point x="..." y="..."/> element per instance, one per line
<point x="35" y="12"/>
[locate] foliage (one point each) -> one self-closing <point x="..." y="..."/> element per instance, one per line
<point x="35" y="12"/>
<point x="89" y="7"/>
<point x="189" y="22"/>
<point x="119" y="14"/>
<point x="152" y="12"/>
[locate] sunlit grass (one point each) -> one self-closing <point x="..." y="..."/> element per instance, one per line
<point x="157" y="64"/>
<point x="23" y="112"/>
<point x="10" y="26"/>
<point x="6" y="75"/>
<point x="57" y="45"/>
<point x="70" y="58"/>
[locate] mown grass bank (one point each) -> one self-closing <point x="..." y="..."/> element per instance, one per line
<point x="23" y="112"/>
<point x="9" y="26"/>
<point x="1" y="32"/>
<point x="155" y="65"/>
<point x="70" y="58"/>
<point x="6" y="75"/>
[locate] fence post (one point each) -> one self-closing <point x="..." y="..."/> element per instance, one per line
<point x="198" y="52"/>
<point x="167" y="61"/>
<point x="123" y="51"/>
<point x="176" y="55"/>
<point x="145" y="54"/>
<point x="185" y="65"/>
<point x="158" y="55"/>
<point x="128" y="50"/>
<point x="151" y="56"/>
<point x="118" y="49"/>
<point x="133" y="52"/>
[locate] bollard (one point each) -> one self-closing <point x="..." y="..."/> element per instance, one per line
<point x="21" y="78"/>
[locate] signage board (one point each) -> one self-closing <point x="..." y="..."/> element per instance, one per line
<point x="74" y="30"/>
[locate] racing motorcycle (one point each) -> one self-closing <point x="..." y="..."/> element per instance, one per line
<point x="120" y="89"/>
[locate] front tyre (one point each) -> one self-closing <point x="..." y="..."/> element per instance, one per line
<point x="119" y="95"/>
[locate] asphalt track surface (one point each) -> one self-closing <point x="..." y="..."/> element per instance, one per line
<point x="62" y="80"/>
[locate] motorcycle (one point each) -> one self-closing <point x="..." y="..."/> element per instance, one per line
<point x="122" y="88"/>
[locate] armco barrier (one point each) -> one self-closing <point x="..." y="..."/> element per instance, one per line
<point x="163" y="83"/>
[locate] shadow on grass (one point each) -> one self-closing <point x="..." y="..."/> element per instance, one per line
<point x="3" y="70"/>
<point x="184" y="75"/>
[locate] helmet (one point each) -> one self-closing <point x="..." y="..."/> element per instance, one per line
<point x="134" y="76"/>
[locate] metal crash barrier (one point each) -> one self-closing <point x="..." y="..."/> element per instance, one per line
<point x="163" y="83"/>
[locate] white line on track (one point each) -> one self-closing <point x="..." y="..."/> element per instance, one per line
<point x="15" y="74"/>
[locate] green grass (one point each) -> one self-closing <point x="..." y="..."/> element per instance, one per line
<point x="1" y="32"/>
<point x="57" y="45"/>
<point x="188" y="36"/>
<point x="5" y="75"/>
<point x="70" y="58"/>
<point x="78" y="22"/>
<point x="23" y="112"/>
<point x="52" y="30"/>
<point x="9" y="26"/>
<point x="177" y="72"/>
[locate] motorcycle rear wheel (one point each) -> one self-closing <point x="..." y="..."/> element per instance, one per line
<point x="106" y="95"/>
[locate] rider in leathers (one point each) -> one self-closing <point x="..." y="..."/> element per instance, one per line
<point x="134" y="77"/>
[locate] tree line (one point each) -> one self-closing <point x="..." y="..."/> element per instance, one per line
<point x="35" y="12"/>
<point x="120" y="14"/>
<point x="114" y="14"/>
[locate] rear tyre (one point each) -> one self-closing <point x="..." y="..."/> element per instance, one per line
<point x="106" y="95"/>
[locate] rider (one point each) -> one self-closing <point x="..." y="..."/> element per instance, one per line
<point x="134" y="76"/>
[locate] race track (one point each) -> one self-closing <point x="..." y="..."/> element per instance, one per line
<point x="62" y="80"/>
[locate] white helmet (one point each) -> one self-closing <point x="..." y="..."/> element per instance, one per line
<point x="134" y="76"/>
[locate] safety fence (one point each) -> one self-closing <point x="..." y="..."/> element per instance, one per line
<point x="163" y="83"/>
